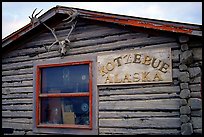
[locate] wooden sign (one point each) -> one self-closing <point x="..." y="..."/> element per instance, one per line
<point x="151" y="65"/>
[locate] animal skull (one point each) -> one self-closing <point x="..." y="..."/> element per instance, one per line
<point x="63" y="47"/>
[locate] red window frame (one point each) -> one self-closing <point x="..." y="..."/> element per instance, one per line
<point x="51" y="95"/>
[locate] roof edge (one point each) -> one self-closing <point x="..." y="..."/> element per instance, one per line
<point x="169" y="26"/>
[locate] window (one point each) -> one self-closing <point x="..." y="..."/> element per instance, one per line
<point x="63" y="98"/>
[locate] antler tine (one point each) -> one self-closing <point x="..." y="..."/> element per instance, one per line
<point x="38" y="13"/>
<point x="73" y="15"/>
<point x="33" y="12"/>
<point x="48" y="49"/>
<point x="51" y="31"/>
<point x="71" y="30"/>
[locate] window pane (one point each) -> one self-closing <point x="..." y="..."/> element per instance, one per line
<point x="73" y="110"/>
<point x="65" y="79"/>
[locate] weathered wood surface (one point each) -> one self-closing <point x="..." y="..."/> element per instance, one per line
<point x="41" y="54"/>
<point x="17" y="96"/>
<point x="15" y="114"/>
<point x="196" y="113"/>
<point x="22" y="77"/>
<point x="17" y="126"/>
<point x="140" y="90"/>
<point x="16" y="101"/>
<point x="196" y="80"/>
<point x="195" y="94"/>
<point x="143" y="131"/>
<point x="17" y="84"/>
<point x="175" y="55"/>
<point x="17" y="90"/>
<point x="160" y="104"/>
<point x="18" y="107"/>
<point x="136" y="114"/>
<point x="122" y="44"/>
<point x="89" y="42"/>
<point x="197" y="54"/>
<point x="91" y="33"/>
<point x="18" y="120"/>
<point x="136" y="109"/>
<point x="196" y="121"/>
<point x="17" y="72"/>
<point x="195" y="87"/>
<point x="101" y="47"/>
<point x="141" y="123"/>
<point x="138" y="97"/>
<point x="20" y="65"/>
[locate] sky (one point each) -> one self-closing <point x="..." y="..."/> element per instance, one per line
<point x="15" y="15"/>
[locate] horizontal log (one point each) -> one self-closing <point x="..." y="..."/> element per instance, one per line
<point x="141" y="123"/>
<point x="17" y="84"/>
<point x="108" y="39"/>
<point x="160" y="104"/>
<point x="197" y="53"/>
<point x="18" y="126"/>
<point x="197" y="122"/>
<point x="94" y="33"/>
<point x="17" y="72"/>
<point x="137" y="114"/>
<point x="128" y="45"/>
<point x="20" y="114"/>
<point x="16" y="101"/>
<point x="195" y="87"/>
<point x="198" y="131"/>
<point x="195" y="94"/>
<point x="17" y="107"/>
<point x="20" y="65"/>
<point x="23" y="77"/>
<point x="17" y="90"/>
<point x="30" y="133"/>
<point x="142" y="90"/>
<point x="79" y="30"/>
<point x="196" y="113"/>
<point x="19" y="132"/>
<point x="46" y="55"/>
<point x="134" y="86"/>
<point x="122" y="44"/>
<point x="17" y="96"/>
<point x="129" y="131"/>
<point x="17" y="120"/>
<point x="138" y="97"/>
<point x="195" y="80"/>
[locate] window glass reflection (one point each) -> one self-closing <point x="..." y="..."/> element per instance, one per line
<point x="65" y="79"/>
<point x="72" y="110"/>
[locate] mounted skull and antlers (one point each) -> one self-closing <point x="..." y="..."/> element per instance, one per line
<point x="64" y="45"/>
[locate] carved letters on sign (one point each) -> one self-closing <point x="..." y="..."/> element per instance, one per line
<point x="135" y="66"/>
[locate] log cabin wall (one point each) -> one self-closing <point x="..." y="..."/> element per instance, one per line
<point x="171" y="108"/>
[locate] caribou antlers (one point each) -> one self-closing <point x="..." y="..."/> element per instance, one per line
<point x="63" y="44"/>
<point x="34" y="19"/>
